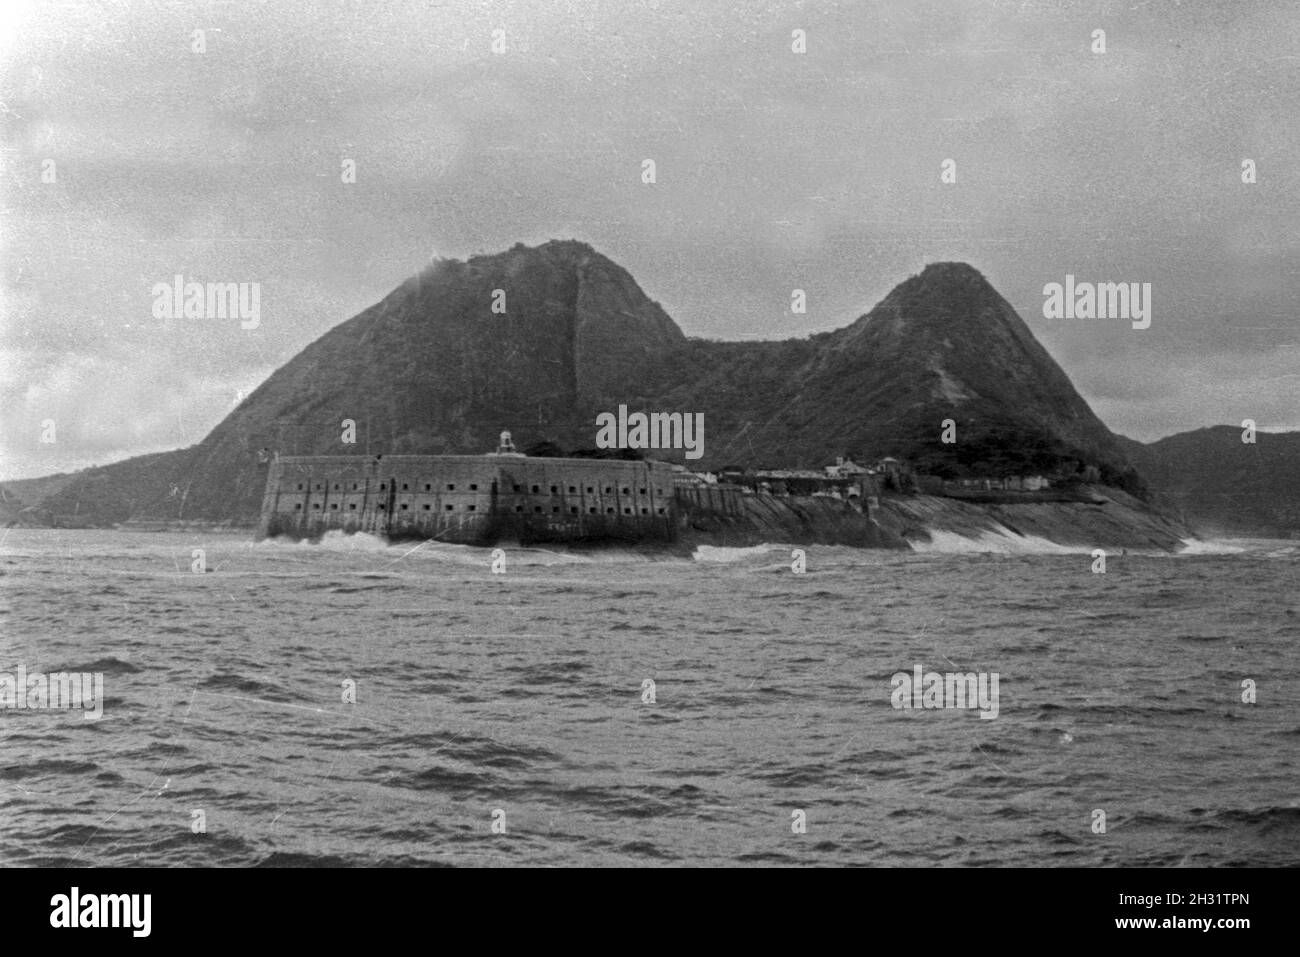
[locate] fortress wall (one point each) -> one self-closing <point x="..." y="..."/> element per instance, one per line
<point x="574" y="499"/>
<point x="306" y="497"/>
<point x="445" y="497"/>
<point x="469" y="498"/>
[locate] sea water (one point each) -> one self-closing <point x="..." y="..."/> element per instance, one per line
<point x="355" y="703"/>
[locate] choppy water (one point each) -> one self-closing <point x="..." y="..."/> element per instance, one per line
<point x="523" y="693"/>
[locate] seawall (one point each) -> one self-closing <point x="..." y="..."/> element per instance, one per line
<point x="727" y="516"/>
<point x="1094" y="517"/>
<point x="1109" y="519"/>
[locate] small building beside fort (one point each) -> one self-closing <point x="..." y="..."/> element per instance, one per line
<point x="470" y="499"/>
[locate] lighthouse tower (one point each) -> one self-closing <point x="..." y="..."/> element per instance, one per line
<point x="506" y="447"/>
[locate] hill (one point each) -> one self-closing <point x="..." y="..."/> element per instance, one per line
<point x="432" y="368"/>
<point x="1224" y="486"/>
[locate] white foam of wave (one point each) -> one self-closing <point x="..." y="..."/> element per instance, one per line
<point x="727" y="554"/>
<point x="1195" y="546"/>
<point x="454" y="554"/>
<point x="451" y="553"/>
<point x="333" y="541"/>
<point x="1256" y="547"/>
<point x="999" y="540"/>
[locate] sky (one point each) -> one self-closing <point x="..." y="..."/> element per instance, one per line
<point x="134" y="150"/>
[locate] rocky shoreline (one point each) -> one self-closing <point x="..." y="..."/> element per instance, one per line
<point x="1108" y="518"/>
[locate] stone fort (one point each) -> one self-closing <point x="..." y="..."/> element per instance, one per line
<point x="470" y="499"/>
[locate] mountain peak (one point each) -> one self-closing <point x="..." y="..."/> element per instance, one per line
<point x="952" y="270"/>
<point x="574" y="247"/>
<point x="553" y="250"/>
<point x="564" y="250"/>
<point x="953" y="283"/>
<point x="944" y="299"/>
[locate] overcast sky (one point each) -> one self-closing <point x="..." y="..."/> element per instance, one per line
<point x="775" y="170"/>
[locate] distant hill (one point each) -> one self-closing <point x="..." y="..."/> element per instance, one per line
<point x="19" y="500"/>
<point x="1223" y="486"/>
<point x="433" y="369"/>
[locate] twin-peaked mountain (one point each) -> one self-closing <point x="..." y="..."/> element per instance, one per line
<point x="433" y="369"/>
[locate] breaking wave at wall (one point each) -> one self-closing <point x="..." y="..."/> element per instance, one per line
<point x="1253" y="547"/>
<point x="1192" y="546"/>
<point x="1000" y="540"/>
<point x="722" y="554"/>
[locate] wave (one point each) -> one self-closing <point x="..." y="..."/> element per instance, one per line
<point x="1000" y="540"/>
<point x="1196" y="546"/>
<point x="108" y="666"/>
<point x="1254" y="547"/>
<point x="247" y="687"/>
<point x="333" y="541"/>
<point x="723" y="554"/>
<point x="336" y="541"/>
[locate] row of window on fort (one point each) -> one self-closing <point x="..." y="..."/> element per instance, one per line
<point x="640" y="505"/>
<point x="473" y="487"/>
